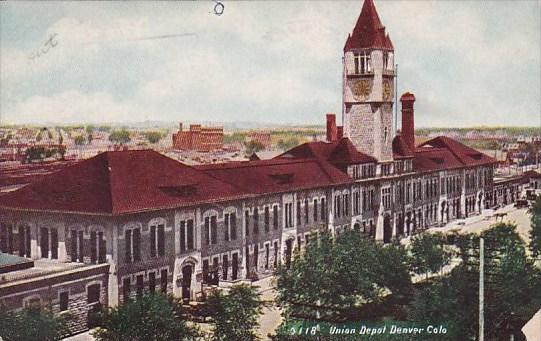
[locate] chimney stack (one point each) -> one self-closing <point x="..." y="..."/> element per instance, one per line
<point x="332" y="131"/>
<point x="180" y="127"/>
<point x="408" y="126"/>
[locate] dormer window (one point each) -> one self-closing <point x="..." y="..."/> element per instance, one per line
<point x="362" y="63"/>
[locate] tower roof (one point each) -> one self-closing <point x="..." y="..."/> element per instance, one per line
<point x="369" y="32"/>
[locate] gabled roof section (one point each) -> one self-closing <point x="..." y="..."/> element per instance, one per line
<point x="120" y="182"/>
<point x="342" y="152"/>
<point x="369" y="32"/>
<point x="401" y="150"/>
<point x="445" y="153"/>
<point x="345" y="153"/>
<point x="276" y="175"/>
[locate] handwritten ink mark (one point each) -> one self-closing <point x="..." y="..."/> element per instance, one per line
<point x="219" y="8"/>
<point x="49" y="44"/>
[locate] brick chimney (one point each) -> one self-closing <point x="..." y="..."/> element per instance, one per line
<point x="332" y="131"/>
<point x="408" y="125"/>
<point x="180" y="127"/>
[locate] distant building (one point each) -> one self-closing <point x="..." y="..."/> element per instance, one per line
<point x="199" y="138"/>
<point x="264" y="138"/>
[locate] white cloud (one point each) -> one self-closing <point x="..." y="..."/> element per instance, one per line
<point x="73" y="107"/>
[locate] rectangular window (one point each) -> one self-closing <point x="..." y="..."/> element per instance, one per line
<point x="315" y="210"/>
<point x="126" y="288"/>
<point x="306" y="211"/>
<point x="139" y="286"/>
<point x="206" y="271"/>
<point x="275" y="216"/>
<point x="102" y="248"/>
<point x="267" y="219"/>
<point x="267" y="255"/>
<point x="81" y="247"/>
<point x="298" y="212"/>
<point x="247" y="222"/>
<point x="213" y="230"/>
<point x="163" y="281"/>
<point x="235" y="266"/>
<point x="64" y="299"/>
<point x="190" y="235"/>
<point x="137" y="245"/>
<point x="73" y="242"/>
<point x="161" y="240"/>
<point x="275" y="254"/>
<point x="44" y="242"/>
<point x="207" y="230"/>
<point x="323" y="210"/>
<point x="182" y="232"/>
<point x="256" y="221"/>
<point x="128" y="238"/>
<point x="226" y="226"/>
<point x="152" y="282"/>
<point x="153" y="241"/>
<point x="22" y="250"/>
<point x="93" y="293"/>
<point x="233" y="225"/>
<point x="225" y="267"/>
<point x="93" y="250"/>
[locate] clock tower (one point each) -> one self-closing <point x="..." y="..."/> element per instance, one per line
<point x="368" y="86"/>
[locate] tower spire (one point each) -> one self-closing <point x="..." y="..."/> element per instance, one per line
<point x="368" y="32"/>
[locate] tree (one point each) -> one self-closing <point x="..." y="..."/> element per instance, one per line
<point x="535" y="232"/>
<point x="151" y="317"/>
<point x="30" y="324"/>
<point x="288" y="144"/>
<point x="120" y="136"/>
<point x="79" y="140"/>
<point x="334" y="277"/>
<point x="511" y="287"/>
<point x="153" y="136"/>
<point x="253" y="147"/>
<point x="235" y="314"/>
<point x="429" y="253"/>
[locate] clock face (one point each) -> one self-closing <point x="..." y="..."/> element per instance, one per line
<point x="387" y="91"/>
<point x="362" y="88"/>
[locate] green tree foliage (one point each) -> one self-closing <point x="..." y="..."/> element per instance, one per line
<point x="79" y="140"/>
<point x="253" y="147"/>
<point x="511" y="287"/>
<point x="152" y="317"/>
<point x="429" y="253"/>
<point x="235" y="314"/>
<point x="288" y="143"/>
<point x="153" y="136"/>
<point x="235" y="137"/>
<point x="535" y="232"/>
<point x="90" y="129"/>
<point x="332" y="278"/>
<point x="120" y="136"/>
<point x="30" y="324"/>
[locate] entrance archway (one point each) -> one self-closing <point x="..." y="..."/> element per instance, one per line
<point x="187" y="271"/>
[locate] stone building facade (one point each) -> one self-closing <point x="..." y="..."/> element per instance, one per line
<point x="137" y="221"/>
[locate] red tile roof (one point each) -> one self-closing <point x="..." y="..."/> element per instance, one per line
<point x="445" y="153"/>
<point x="342" y="152"/>
<point x="276" y="175"/>
<point x="120" y="182"/>
<point x="401" y="150"/>
<point x="369" y="31"/>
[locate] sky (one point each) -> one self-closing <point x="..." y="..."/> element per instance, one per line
<point x="469" y="63"/>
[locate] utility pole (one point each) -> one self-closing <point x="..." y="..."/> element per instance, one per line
<point x="396" y="100"/>
<point x="481" y="289"/>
